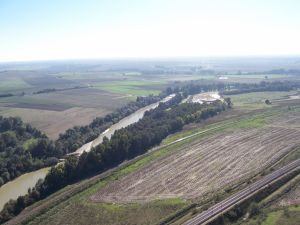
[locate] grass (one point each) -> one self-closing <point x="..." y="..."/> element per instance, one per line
<point x="13" y="85"/>
<point x="27" y="99"/>
<point x="35" y="102"/>
<point x="101" y="213"/>
<point x="256" y="121"/>
<point x="132" y="73"/>
<point x="136" y="88"/>
<point x="289" y="216"/>
<point x="257" y="76"/>
<point x="272" y="218"/>
<point x="256" y="100"/>
<point x="80" y="210"/>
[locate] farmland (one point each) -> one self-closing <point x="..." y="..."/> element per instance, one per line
<point x="203" y="166"/>
<point x="256" y="100"/>
<point x="222" y="152"/>
<point x="54" y="112"/>
<point x="173" y="177"/>
<point x="132" y="88"/>
<point x="89" y="89"/>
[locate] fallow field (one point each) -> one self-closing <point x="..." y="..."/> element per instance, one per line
<point x="204" y="166"/>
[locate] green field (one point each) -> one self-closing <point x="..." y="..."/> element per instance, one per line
<point x="256" y="100"/>
<point x="255" y="121"/>
<point x="35" y="102"/>
<point x="135" y="88"/>
<point x="13" y="85"/>
<point x="257" y="76"/>
<point x="288" y="216"/>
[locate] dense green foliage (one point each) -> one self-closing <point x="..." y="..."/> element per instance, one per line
<point x="6" y="95"/>
<point x="22" y="149"/>
<point x="197" y="86"/>
<point x="191" y="88"/>
<point x="284" y="71"/>
<point x="239" y="88"/>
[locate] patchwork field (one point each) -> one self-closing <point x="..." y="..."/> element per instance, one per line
<point x="89" y="89"/>
<point x="82" y="95"/>
<point x="53" y="113"/>
<point x="226" y="150"/>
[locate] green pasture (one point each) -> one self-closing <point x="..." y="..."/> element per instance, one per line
<point x="136" y="87"/>
<point x="13" y="85"/>
<point x="255" y="100"/>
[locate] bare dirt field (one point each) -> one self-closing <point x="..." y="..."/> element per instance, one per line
<point x="204" y="165"/>
<point x="55" y="122"/>
<point x="53" y="113"/>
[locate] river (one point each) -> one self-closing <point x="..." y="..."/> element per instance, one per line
<point x="132" y="118"/>
<point x="20" y="185"/>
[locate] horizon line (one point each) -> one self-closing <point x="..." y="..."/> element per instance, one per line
<point x="149" y="58"/>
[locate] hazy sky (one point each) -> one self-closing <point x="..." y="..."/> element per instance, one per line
<point x="67" y="29"/>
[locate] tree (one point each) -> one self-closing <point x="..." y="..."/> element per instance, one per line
<point x="228" y="101"/>
<point x="286" y="212"/>
<point x="268" y="102"/>
<point x="5" y="176"/>
<point x="70" y="168"/>
<point x="253" y="209"/>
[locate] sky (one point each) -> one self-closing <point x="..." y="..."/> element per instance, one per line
<point x="92" y="29"/>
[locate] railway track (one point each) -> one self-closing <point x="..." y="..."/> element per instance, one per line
<point x="243" y="194"/>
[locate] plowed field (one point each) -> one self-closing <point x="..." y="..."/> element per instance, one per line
<point x="204" y="165"/>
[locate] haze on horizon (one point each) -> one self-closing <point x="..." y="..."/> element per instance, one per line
<point x="62" y="29"/>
